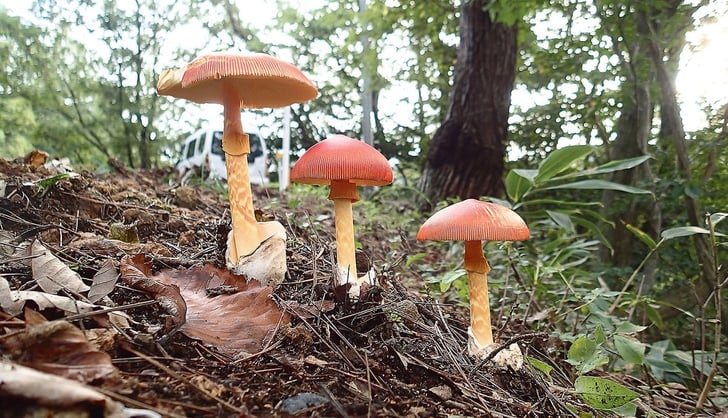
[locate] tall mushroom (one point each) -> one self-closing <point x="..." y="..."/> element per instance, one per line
<point x="243" y="81"/>
<point x="343" y="163"/>
<point x="473" y="221"/>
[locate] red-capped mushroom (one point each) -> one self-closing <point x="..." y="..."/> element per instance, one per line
<point x="241" y="81"/>
<point x="473" y="221"/>
<point x="343" y="163"/>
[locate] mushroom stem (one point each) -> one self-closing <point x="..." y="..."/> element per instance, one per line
<point x="236" y="145"/>
<point x="477" y="267"/>
<point x="343" y="193"/>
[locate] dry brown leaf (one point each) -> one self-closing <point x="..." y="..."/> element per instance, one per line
<point x="6" y="245"/>
<point x="167" y="295"/>
<point x="52" y="274"/>
<point x="104" y="281"/>
<point x="13" y="301"/>
<point x="9" y="301"/>
<point x="232" y="322"/>
<point x="26" y="386"/>
<point x="58" y="347"/>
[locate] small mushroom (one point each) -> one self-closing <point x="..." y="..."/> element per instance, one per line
<point x="243" y="81"/>
<point x="343" y="163"/>
<point x="473" y="221"/>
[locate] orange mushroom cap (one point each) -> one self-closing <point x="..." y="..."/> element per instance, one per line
<point x="339" y="157"/>
<point x="261" y="81"/>
<point x="474" y="220"/>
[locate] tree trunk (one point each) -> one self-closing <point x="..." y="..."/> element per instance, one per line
<point x="466" y="155"/>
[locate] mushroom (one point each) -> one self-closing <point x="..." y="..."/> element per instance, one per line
<point x="473" y="221"/>
<point x="243" y="81"/>
<point x="343" y="163"/>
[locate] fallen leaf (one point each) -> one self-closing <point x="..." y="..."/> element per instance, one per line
<point x="104" y="281"/>
<point x="6" y="245"/>
<point x="9" y="302"/>
<point x="58" y="347"/>
<point x="13" y="301"/>
<point x="52" y="274"/>
<point x="28" y="387"/>
<point x="231" y="322"/>
<point x="167" y="295"/>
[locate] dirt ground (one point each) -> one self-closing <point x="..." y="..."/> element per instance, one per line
<point x="395" y="352"/>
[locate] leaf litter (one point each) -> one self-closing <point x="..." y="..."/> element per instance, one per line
<point x="307" y="352"/>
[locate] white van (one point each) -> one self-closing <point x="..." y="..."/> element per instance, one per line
<point x="203" y="150"/>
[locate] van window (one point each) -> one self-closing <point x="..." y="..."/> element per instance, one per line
<point x="255" y="148"/>
<point x="191" y="149"/>
<point x="201" y="143"/>
<point x="216" y="147"/>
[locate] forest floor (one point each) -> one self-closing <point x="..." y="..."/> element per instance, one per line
<point x="396" y="351"/>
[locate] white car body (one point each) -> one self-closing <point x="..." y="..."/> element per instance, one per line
<point x="203" y="149"/>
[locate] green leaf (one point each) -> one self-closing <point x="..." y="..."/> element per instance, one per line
<point x="560" y="160"/>
<point x="526" y="173"/>
<point x="561" y="219"/>
<point x="642" y="236"/>
<point x="654" y="315"/>
<point x="630" y="328"/>
<point x="631" y="350"/>
<point x="585" y="355"/>
<point x="516" y="185"/>
<point x="610" y="167"/>
<point x="599" y="336"/>
<point x="539" y="365"/>
<point x="683" y="231"/>
<point x="627" y="410"/>
<point x="415" y="258"/>
<point x="715" y="218"/>
<point x="603" y="394"/>
<point x="599" y="185"/>
<point x="450" y="277"/>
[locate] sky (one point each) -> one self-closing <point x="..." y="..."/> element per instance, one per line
<point x="703" y="76"/>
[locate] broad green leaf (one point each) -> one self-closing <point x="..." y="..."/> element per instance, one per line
<point x="631" y="350"/>
<point x="585" y="355"/>
<point x="561" y="219"/>
<point x="715" y="218"/>
<point x="539" y="365"/>
<point x="415" y="258"/>
<point x="642" y="236"/>
<point x="603" y="394"/>
<point x="450" y="277"/>
<point x="683" y="231"/>
<point x="610" y="167"/>
<point x="595" y="229"/>
<point x="599" y="185"/>
<point x="599" y="336"/>
<point x="560" y="160"/>
<point x="627" y="410"/>
<point x="526" y="173"/>
<point x="516" y="185"/>
<point x="654" y="315"/>
<point x="630" y="328"/>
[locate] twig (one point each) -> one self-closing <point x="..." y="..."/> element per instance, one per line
<point x="111" y="309"/>
<point x="334" y="402"/>
<point x="126" y="346"/>
<point x="137" y="404"/>
<point x="506" y="344"/>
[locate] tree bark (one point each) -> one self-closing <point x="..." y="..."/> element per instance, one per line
<point x="466" y="155"/>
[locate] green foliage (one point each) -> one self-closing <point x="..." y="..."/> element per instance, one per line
<point x="603" y="394"/>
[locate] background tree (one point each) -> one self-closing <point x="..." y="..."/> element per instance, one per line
<point x="467" y="154"/>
